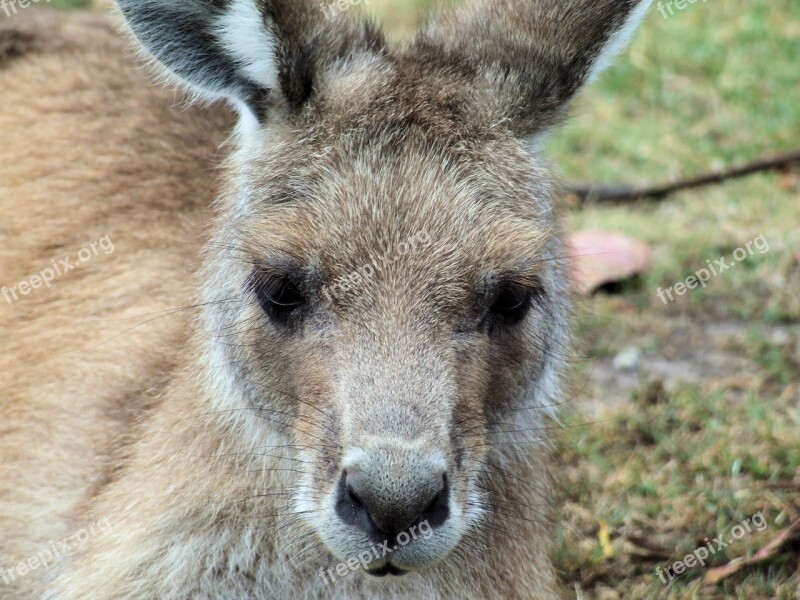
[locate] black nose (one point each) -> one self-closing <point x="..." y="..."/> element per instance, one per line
<point x="383" y="513"/>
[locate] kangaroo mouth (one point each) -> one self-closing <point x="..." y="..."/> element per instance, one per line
<point x="387" y="569"/>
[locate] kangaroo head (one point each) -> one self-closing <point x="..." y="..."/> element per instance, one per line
<point x="385" y="294"/>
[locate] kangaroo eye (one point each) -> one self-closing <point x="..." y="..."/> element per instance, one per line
<point x="512" y="304"/>
<point x="279" y="297"/>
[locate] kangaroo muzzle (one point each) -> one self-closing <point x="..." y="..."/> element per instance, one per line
<point x="390" y="489"/>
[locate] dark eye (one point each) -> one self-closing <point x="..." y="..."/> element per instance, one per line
<point x="511" y="304"/>
<point x="279" y="296"/>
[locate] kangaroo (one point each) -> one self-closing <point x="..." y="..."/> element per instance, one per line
<point x="320" y="350"/>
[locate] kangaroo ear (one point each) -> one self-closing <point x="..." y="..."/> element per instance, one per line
<point x="257" y="53"/>
<point x="532" y="56"/>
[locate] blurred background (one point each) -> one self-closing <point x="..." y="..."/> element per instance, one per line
<point x="683" y="418"/>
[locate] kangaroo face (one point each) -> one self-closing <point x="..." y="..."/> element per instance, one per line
<point x="391" y="308"/>
<point x="386" y="290"/>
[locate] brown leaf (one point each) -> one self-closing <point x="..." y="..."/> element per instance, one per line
<point x="603" y="257"/>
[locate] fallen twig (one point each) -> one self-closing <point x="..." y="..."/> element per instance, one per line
<point x="612" y="194"/>
<point x="768" y="552"/>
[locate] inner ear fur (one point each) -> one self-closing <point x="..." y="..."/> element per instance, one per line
<point x="257" y="53"/>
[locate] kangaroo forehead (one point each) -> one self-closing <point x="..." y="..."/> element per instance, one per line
<point x="384" y="94"/>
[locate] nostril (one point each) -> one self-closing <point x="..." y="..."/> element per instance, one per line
<point x="349" y="505"/>
<point x="352" y="493"/>
<point x="438" y="510"/>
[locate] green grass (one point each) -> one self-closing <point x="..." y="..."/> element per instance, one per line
<point x="713" y="85"/>
<point x="678" y="468"/>
<point x="70" y="3"/>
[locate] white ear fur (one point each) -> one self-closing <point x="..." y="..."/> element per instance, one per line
<point x="214" y="52"/>
<point x="619" y="40"/>
<point x="245" y="37"/>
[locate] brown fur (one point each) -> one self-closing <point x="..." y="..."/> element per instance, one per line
<point x="149" y="389"/>
<point x="77" y="115"/>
